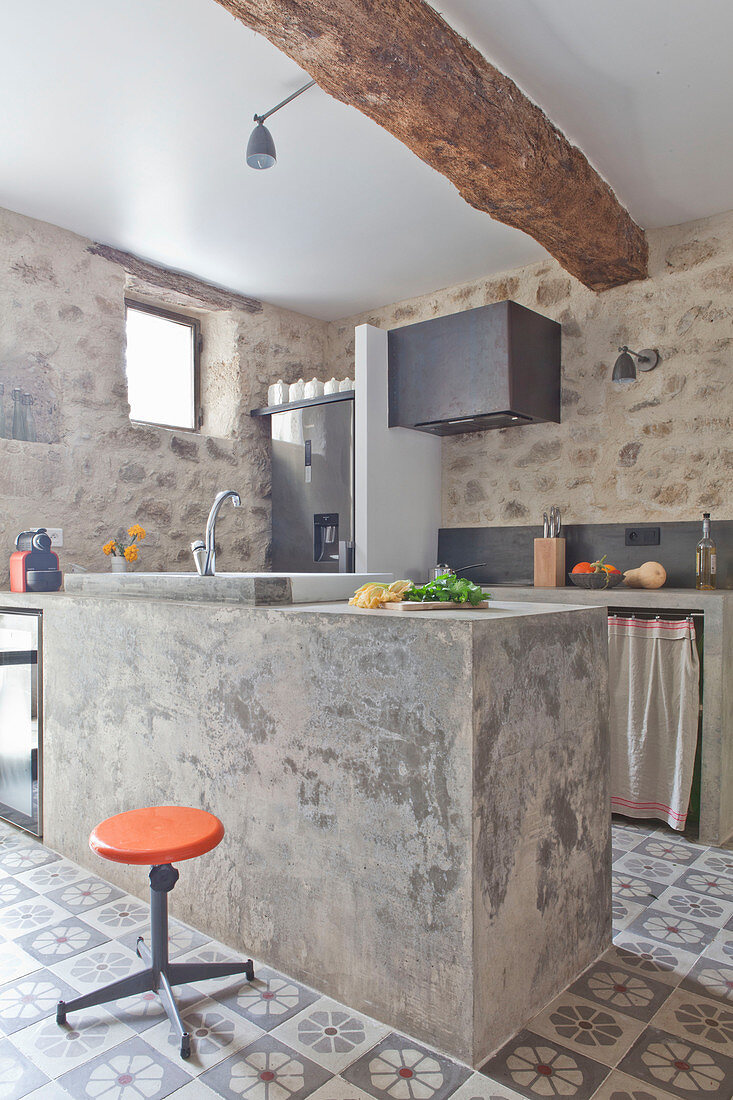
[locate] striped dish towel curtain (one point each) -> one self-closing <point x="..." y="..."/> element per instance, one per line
<point x="655" y="698"/>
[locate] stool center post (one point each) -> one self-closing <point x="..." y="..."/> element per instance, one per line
<point x="162" y="880"/>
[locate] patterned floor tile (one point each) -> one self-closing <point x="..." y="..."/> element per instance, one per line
<point x="722" y="947"/>
<point x="52" y="875"/>
<point x="679" y="1066"/>
<point x="182" y="940"/>
<point x="26" y="1000"/>
<point x="685" y="903"/>
<point x="145" y="1010"/>
<point x="706" y="882"/>
<point x="28" y="916"/>
<point x="56" y="1048"/>
<point x="60" y="941"/>
<point x="195" y="1090"/>
<point x="215" y="1032"/>
<point x="632" y="888"/>
<point x="102" y="965"/>
<point x="675" y="931"/>
<point x="50" y="1091"/>
<point x="478" y="1087"/>
<point x="265" y="1070"/>
<point x="12" y="891"/>
<point x="24" y="857"/>
<point x="624" y="913"/>
<point x="15" y="962"/>
<point x="716" y="860"/>
<point x="675" y="851"/>
<point x="269" y="1000"/>
<point x="656" y="960"/>
<point x="536" y="1067"/>
<point x="710" y="978"/>
<point x="399" y="1068"/>
<point x="330" y="1034"/>
<point x="600" y="1033"/>
<point x="699" y="1019"/>
<point x="18" y="1075"/>
<point x="130" y="1071"/>
<point x="643" y="866"/>
<point x="619" y="1086"/>
<point x="84" y="894"/>
<point x="120" y="917"/>
<point x="620" y="990"/>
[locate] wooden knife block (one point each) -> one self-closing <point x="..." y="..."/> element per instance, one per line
<point x="549" y="563"/>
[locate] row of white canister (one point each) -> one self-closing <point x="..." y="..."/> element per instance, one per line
<point x="280" y="393"/>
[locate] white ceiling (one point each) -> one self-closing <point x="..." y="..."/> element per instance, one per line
<point x="127" y="120"/>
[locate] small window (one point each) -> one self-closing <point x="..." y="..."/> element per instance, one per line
<point x="162" y="367"/>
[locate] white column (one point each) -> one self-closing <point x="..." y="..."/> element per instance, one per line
<point x="397" y="475"/>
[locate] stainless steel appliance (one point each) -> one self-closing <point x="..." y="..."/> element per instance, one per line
<point x="20" y="719"/>
<point x="313" y="487"/>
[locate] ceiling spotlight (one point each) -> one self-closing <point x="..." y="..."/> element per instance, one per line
<point x="261" y="147"/>
<point x="624" y="369"/>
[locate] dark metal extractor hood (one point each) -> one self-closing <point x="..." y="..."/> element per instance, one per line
<point x="497" y="366"/>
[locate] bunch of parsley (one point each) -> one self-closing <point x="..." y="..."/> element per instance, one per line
<point x="447" y="588"/>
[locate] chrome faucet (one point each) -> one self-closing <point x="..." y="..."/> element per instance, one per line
<point x="204" y="553"/>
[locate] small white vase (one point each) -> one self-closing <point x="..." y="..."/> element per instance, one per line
<point x="296" y="390"/>
<point x="314" y="388"/>
<point x="331" y="386"/>
<point x="278" y="393"/>
<point x="119" y="565"/>
<point x="345" y="384"/>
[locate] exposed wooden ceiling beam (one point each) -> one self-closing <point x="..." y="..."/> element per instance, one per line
<point x="400" y="63"/>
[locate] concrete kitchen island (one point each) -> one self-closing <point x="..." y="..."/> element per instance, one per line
<point x="416" y="803"/>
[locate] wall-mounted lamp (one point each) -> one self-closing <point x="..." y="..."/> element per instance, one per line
<point x="624" y="369"/>
<point x="260" y="147"/>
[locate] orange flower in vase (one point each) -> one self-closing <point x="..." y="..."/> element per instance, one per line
<point x="122" y="552"/>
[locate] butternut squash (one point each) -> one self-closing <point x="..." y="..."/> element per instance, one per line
<point x="649" y="575"/>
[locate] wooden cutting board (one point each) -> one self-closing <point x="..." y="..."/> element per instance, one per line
<point x="440" y="605"/>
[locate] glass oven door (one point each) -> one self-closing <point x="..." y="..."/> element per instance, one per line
<point x="20" y="719"/>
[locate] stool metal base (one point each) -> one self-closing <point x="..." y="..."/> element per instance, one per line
<point x="160" y="975"/>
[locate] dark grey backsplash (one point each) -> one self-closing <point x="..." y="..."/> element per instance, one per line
<point x="509" y="551"/>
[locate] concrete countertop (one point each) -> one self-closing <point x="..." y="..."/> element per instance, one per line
<point x="687" y="599"/>
<point x="512" y="607"/>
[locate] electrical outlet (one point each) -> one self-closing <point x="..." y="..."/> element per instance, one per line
<point x="56" y="535"/>
<point x="642" y="536"/>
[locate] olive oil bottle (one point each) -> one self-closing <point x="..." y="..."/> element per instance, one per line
<point x="705" y="563"/>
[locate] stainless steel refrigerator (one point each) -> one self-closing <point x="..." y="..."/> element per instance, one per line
<point x="20" y="719"/>
<point x="313" y="488"/>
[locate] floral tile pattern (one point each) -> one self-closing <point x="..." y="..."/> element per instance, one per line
<point x="269" y="1000"/>
<point x="60" y="941"/>
<point x="215" y="1033"/>
<point x="600" y="1033"/>
<point x="703" y="1021"/>
<point x="26" y="1000"/>
<point x="651" y="1020"/>
<point x="673" y="930"/>
<point x="265" y="1070"/>
<point x="616" y="988"/>
<point x="710" y="978"/>
<point x="399" y="1068"/>
<point x="130" y="1071"/>
<point x="331" y="1035"/>
<point x="681" y="1067"/>
<point x="537" y="1067"/>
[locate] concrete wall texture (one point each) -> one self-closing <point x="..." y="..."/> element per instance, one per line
<point x="658" y="448"/>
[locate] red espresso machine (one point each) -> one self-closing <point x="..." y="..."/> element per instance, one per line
<point x="34" y="567"/>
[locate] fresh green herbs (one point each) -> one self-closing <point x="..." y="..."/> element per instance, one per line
<point x="447" y="588"/>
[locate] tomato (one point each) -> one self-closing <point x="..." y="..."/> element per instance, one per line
<point x="583" y="567"/>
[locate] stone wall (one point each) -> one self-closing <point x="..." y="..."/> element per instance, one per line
<point x="658" y="448"/>
<point x="62" y="337"/>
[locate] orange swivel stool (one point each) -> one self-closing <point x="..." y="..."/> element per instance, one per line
<point x="157" y="837"/>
